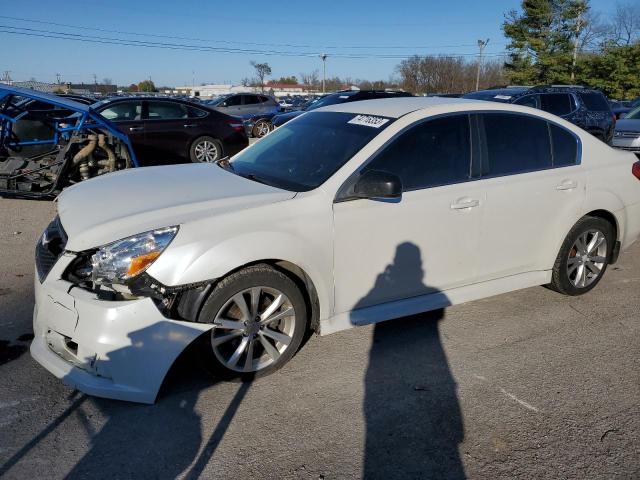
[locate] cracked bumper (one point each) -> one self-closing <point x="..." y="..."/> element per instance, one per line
<point x="112" y="349"/>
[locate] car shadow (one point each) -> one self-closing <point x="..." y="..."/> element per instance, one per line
<point x="412" y="414"/>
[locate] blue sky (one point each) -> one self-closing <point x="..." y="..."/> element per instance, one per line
<point x="347" y="27"/>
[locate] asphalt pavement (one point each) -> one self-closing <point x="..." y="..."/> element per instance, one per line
<point x="529" y="384"/>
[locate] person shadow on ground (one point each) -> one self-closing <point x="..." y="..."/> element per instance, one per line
<point x="412" y="414"/>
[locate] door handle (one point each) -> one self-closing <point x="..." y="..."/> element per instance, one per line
<point x="567" y="185"/>
<point x="464" y="203"/>
<point x="135" y="129"/>
<point x="190" y="125"/>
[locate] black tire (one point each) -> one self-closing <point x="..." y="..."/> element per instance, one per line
<point x="561" y="278"/>
<point x="204" y="142"/>
<point x="261" y="128"/>
<point x="254" y="276"/>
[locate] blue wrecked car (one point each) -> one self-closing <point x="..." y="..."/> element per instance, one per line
<point x="48" y="142"/>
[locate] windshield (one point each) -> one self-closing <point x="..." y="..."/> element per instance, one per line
<point x="634" y="114"/>
<point x="302" y="154"/>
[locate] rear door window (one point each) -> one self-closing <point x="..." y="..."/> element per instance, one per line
<point x="515" y="144"/>
<point x="436" y="152"/>
<point x="557" y="103"/>
<point x="251" y="99"/>
<point x="595" y="102"/>
<point x="167" y="110"/>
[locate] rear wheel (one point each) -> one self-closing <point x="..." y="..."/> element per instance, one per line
<point x="261" y="128"/>
<point x="259" y="320"/>
<point x="583" y="257"/>
<point x="205" y="150"/>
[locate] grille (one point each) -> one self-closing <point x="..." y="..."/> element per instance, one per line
<point x="49" y="248"/>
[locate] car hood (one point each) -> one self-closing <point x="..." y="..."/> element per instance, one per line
<point x="628" y="125"/>
<point x="120" y="204"/>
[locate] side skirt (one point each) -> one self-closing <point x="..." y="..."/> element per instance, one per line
<point x="433" y="301"/>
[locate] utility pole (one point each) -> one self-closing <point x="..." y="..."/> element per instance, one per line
<point x="481" y="45"/>
<point x="323" y="56"/>
<point x="579" y="25"/>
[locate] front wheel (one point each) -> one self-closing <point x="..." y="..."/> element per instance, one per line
<point x="259" y="320"/>
<point x="583" y="257"/>
<point x="205" y="150"/>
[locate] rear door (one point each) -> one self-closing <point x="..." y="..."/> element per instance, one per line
<point x="251" y="105"/>
<point x="168" y="130"/>
<point x="535" y="187"/>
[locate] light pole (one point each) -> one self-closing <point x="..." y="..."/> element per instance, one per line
<point x="323" y="56"/>
<point x="481" y="45"/>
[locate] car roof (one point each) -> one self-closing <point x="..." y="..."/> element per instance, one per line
<point x="397" y="107"/>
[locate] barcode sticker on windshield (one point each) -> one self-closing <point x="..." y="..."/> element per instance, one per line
<point x="368" y="121"/>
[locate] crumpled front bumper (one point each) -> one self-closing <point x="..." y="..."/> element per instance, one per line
<point x="112" y="349"/>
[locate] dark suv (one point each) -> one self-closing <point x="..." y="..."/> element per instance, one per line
<point x="587" y="108"/>
<point x="339" y="97"/>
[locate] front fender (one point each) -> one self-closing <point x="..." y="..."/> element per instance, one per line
<point x="184" y="265"/>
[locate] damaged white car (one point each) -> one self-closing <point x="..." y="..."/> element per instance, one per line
<point x="347" y="215"/>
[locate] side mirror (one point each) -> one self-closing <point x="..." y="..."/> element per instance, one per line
<point x="377" y="184"/>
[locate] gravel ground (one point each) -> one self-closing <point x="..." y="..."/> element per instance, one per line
<point x="524" y="385"/>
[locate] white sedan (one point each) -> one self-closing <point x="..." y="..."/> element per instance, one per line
<point x="348" y="215"/>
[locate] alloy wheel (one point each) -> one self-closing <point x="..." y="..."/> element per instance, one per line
<point x="262" y="128"/>
<point x="587" y="258"/>
<point x="253" y="329"/>
<point x="207" y="151"/>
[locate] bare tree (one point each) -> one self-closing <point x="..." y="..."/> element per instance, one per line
<point x="310" y="80"/>
<point x="263" y="70"/>
<point x="443" y="74"/>
<point x="624" y="28"/>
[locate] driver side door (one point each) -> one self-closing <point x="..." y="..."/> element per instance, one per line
<point x="426" y="242"/>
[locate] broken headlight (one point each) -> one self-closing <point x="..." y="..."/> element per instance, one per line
<point x="122" y="260"/>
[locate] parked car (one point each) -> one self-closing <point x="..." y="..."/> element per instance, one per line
<point x="587" y="108"/>
<point x="337" y="98"/>
<point x="352" y="214"/>
<point x="244" y="105"/>
<point x="48" y="142"/>
<point x="167" y="130"/>
<point x="627" y="135"/>
<point x="622" y="108"/>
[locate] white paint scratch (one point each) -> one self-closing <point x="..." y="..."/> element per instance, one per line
<point x="521" y="402"/>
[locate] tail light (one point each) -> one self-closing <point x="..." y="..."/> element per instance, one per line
<point x="636" y="170"/>
<point x="237" y="125"/>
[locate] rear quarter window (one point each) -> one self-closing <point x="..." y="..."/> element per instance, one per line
<point x="595" y="102"/>
<point x="564" y="146"/>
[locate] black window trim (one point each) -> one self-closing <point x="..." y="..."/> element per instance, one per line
<point x="483" y="140"/>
